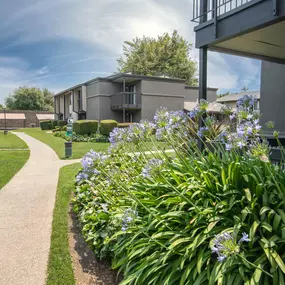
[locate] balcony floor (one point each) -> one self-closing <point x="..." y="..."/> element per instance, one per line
<point x="265" y="43"/>
<point x="126" y="107"/>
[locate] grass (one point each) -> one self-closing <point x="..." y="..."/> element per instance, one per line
<point x="79" y="149"/>
<point x="11" y="141"/>
<point x="11" y="163"/>
<point x="57" y="144"/>
<point x="60" y="264"/>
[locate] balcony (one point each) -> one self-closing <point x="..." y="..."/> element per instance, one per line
<point x="126" y="101"/>
<point x="215" y="8"/>
<point x="251" y="28"/>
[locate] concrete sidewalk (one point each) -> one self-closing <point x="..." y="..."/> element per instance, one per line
<point x="26" y="208"/>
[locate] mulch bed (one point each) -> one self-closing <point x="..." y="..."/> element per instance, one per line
<point x="88" y="270"/>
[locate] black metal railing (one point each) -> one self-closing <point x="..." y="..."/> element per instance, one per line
<point x="126" y="100"/>
<point x="214" y="8"/>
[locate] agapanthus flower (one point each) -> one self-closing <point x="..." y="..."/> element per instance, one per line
<point x="104" y="207"/>
<point x="152" y="166"/>
<point x="225" y="245"/>
<point x="246" y="102"/>
<point x="229" y="146"/>
<point x="232" y="116"/>
<point x="202" y="131"/>
<point x="193" y="113"/>
<point x="244" y="238"/>
<point x="128" y="216"/>
<point x="241" y="144"/>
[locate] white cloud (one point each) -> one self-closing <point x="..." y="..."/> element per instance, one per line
<point x="103" y="25"/>
<point x="220" y="74"/>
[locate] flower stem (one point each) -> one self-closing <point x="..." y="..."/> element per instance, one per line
<point x="252" y="264"/>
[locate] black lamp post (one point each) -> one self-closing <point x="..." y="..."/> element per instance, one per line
<point x="5" y="120"/>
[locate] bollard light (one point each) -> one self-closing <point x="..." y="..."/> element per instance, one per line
<point x="5" y="120"/>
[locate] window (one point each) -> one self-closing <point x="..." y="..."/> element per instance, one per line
<point x="79" y="100"/>
<point x="131" y="94"/>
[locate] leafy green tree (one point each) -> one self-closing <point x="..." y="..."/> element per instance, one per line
<point x="223" y="94"/>
<point x="166" y="55"/>
<point x="30" y="98"/>
<point x="1" y="106"/>
<point x="48" y="99"/>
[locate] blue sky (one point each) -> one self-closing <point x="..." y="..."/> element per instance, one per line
<point x="59" y="43"/>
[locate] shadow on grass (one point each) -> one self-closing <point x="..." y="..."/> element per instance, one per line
<point x="87" y="268"/>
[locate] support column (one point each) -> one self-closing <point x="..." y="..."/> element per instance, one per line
<point x="202" y="84"/>
<point x="124" y="100"/>
<point x="124" y="115"/>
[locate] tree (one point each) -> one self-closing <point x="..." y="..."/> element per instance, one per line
<point x="30" y="98"/>
<point x="166" y="55"/>
<point x="1" y="106"/>
<point x="223" y="94"/>
<point x="244" y="89"/>
<point x="48" y="99"/>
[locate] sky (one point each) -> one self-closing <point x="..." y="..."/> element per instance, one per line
<point x="56" y="44"/>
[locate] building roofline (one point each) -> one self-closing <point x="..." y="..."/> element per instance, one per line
<point x="81" y="84"/>
<point x="122" y="75"/>
<point x="143" y="77"/>
<point x="197" y="87"/>
<point x="234" y="97"/>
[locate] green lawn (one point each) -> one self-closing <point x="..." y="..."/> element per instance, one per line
<point x="57" y="144"/>
<point x="10" y="163"/>
<point x="60" y="264"/>
<point x="79" y="149"/>
<point x="11" y="141"/>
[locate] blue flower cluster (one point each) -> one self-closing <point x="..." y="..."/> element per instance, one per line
<point x="202" y="132"/>
<point x="129" y="216"/>
<point x="168" y="122"/>
<point x="246" y="102"/>
<point x="88" y="162"/>
<point x="225" y="245"/>
<point x="152" y="165"/>
<point x="199" y="109"/>
<point x="132" y="134"/>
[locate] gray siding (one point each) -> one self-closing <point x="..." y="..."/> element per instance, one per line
<point x="151" y="103"/>
<point x="272" y="95"/>
<point x="92" y="108"/>
<point x="163" y="88"/>
<point x="192" y="94"/>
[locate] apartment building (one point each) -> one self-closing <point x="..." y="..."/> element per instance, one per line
<point x="125" y="97"/>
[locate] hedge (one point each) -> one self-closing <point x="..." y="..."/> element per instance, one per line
<point x="46" y="125"/>
<point x="106" y="126"/>
<point x="54" y="123"/>
<point x="85" y="127"/>
<point x="61" y="123"/>
<point x="124" y="125"/>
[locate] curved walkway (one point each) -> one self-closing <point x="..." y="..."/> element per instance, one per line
<point x="26" y="209"/>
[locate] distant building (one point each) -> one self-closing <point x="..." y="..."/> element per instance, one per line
<point x="125" y="98"/>
<point x="231" y="99"/>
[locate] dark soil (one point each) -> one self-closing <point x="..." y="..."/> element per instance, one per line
<point x="88" y="270"/>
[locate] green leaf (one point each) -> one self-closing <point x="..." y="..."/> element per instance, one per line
<point x="256" y="276"/>
<point x="252" y="231"/>
<point x="211" y="226"/>
<point x="266" y="226"/>
<point x="179" y="241"/>
<point x="276" y="222"/>
<point x="278" y="260"/>
<point x="247" y="194"/>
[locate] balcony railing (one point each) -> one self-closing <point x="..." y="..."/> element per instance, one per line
<point x="214" y="8"/>
<point x="126" y="100"/>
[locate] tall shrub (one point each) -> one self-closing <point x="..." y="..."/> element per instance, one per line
<point x="46" y="125"/>
<point x="211" y="217"/>
<point x="85" y="127"/>
<point x="106" y="126"/>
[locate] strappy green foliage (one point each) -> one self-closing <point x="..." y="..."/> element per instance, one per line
<point x="181" y="208"/>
